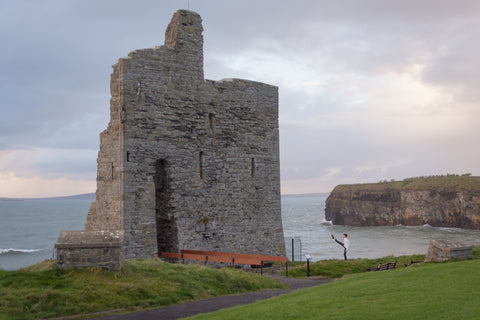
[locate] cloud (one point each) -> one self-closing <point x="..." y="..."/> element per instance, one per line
<point x="46" y="172"/>
<point x="369" y="90"/>
<point x="73" y="164"/>
<point x="12" y="186"/>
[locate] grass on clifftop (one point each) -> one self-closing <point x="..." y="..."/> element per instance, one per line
<point x="450" y="182"/>
<point x="41" y="292"/>
<point x="340" y="268"/>
<point x="428" y="291"/>
<point x="420" y="291"/>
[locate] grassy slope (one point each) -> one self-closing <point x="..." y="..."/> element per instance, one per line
<point x="142" y="284"/>
<point x="339" y="268"/>
<point x="430" y="291"/>
<point x="452" y="182"/>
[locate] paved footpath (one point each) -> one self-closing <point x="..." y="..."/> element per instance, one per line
<point x="188" y="309"/>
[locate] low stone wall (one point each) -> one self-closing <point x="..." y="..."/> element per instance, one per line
<point x="442" y="250"/>
<point x="90" y="248"/>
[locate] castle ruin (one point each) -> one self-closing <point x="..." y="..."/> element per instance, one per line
<point x="185" y="163"/>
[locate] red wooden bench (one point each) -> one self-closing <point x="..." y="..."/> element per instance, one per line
<point x="254" y="260"/>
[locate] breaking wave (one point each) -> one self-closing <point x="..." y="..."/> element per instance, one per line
<point x="18" y="251"/>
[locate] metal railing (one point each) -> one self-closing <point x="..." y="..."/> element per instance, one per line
<point x="293" y="248"/>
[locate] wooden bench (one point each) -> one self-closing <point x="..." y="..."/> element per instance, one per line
<point x="254" y="260"/>
<point x="386" y="266"/>
<point x="413" y="262"/>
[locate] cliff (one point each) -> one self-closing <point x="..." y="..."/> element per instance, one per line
<point x="442" y="201"/>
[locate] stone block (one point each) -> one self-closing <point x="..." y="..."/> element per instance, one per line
<point x="90" y="249"/>
<point x="442" y="250"/>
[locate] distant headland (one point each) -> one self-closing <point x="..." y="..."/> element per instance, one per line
<point x="439" y="201"/>
<point x="83" y="196"/>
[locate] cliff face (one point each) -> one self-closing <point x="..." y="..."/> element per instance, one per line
<point x="408" y="203"/>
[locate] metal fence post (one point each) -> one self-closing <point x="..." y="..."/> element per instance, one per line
<point x="293" y="250"/>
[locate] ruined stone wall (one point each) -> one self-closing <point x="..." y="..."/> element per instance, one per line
<point x="90" y="248"/>
<point x="106" y="213"/>
<point x="188" y="163"/>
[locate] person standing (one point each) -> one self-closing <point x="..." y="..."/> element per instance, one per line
<point x="345" y="244"/>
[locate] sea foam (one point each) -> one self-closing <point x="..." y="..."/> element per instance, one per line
<point x="11" y="250"/>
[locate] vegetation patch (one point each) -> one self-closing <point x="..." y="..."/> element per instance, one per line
<point x="446" y="290"/>
<point x="451" y="182"/>
<point x="421" y="291"/>
<point x="41" y="291"/>
<point x="340" y="268"/>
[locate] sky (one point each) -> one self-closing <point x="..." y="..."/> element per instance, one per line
<point x="369" y="90"/>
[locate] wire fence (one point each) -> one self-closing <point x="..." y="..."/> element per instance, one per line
<point x="293" y="246"/>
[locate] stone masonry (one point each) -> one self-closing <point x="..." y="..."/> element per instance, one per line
<point x="185" y="163"/>
<point x="443" y="250"/>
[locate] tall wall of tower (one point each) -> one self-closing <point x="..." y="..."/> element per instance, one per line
<point x="187" y="162"/>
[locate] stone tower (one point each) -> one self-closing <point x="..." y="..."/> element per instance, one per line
<point x="185" y="163"/>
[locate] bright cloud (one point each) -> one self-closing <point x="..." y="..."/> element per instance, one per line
<point x="369" y="90"/>
<point x="49" y="163"/>
<point x="12" y="186"/>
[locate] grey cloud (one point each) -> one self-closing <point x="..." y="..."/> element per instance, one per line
<point x="56" y="62"/>
<point x="358" y="36"/>
<point x="458" y="66"/>
<point x="50" y="163"/>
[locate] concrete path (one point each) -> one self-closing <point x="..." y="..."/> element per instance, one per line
<point x="188" y="309"/>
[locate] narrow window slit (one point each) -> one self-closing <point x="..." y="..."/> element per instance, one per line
<point x="201" y="163"/>
<point x="252" y="169"/>
<point x="211" y="123"/>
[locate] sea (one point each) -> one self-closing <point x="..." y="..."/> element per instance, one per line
<point x="30" y="228"/>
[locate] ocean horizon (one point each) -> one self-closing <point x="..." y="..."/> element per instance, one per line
<point x="30" y="229"/>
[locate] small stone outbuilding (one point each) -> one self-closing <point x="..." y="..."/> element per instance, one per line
<point x="443" y="250"/>
<point x="185" y="163"/>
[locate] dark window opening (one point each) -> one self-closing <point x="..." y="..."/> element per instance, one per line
<point x="201" y="159"/>
<point x="252" y="168"/>
<point x="211" y="123"/>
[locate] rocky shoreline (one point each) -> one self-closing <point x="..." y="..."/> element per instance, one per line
<point x="443" y="201"/>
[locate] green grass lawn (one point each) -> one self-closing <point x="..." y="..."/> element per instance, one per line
<point x="426" y="291"/>
<point x="420" y="291"/>
<point x="450" y="182"/>
<point x="42" y="292"/>
<point x="339" y="268"/>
